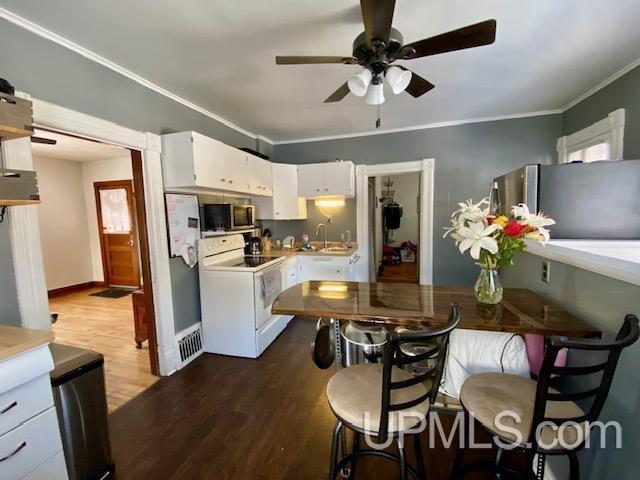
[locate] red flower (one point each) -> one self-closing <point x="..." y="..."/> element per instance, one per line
<point x="513" y="229"/>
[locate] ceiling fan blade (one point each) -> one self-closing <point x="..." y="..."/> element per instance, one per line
<point x="339" y="94"/>
<point x="46" y="141"/>
<point x="418" y="85"/>
<point x="377" y="16"/>
<point x="304" y="60"/>
<point x="483" y="33"/>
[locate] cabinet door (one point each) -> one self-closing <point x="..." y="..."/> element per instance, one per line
<point x="285" y="191"/>
<point x="338" y="179"/>
<point x="260" y="176"/>
<point x="323" y="268"/>
<point x="208" y="162"/>
<point x="310" y="180"/>
<point x="237" y="170"/>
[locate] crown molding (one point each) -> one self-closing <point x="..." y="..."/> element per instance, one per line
<point x="602" y="84"/>
<point x="89" y="54"/>
<point x="421" y="127"/>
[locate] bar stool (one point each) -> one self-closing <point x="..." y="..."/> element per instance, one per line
<point x="386" y="402"/>
<point x="551" y="423"/>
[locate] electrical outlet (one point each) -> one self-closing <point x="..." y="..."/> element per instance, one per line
<point x="546" y="271"/>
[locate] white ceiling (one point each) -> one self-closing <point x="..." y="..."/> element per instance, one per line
<point x="220" y="55"/>
<point x="75" y="149"/>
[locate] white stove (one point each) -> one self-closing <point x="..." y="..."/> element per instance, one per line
<point x="236" y="295"/>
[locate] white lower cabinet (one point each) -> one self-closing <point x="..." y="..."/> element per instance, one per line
<point x="328" y="268"/>
<point x="291" y="271"/>
<point x="26" y="447"/>
<point x="30" y="442"/>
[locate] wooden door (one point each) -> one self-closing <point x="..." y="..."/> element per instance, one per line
<point x="118" y="233"/>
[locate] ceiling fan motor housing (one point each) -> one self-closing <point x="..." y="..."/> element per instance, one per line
<point x="377" y="59"/>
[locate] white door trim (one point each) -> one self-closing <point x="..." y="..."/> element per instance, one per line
<point x="25" y="232"/>
<point x="426" y="168"/>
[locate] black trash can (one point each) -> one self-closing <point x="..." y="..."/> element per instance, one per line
<point x="81" y="403"/>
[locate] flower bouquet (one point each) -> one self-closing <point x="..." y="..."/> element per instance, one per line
<point x="492" y="240"/>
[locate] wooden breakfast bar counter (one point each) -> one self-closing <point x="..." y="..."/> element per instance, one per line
<point x="521" y="310"/>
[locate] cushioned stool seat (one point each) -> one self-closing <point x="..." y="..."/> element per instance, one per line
<point x="486" y="395"/>
<point x="356" y="390"/>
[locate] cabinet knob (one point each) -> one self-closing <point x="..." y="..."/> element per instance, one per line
<point x="230" y="181"/>
<point x="317" y="189"/>
<point x="222" y="180"/>
<point x="326" y="189"/>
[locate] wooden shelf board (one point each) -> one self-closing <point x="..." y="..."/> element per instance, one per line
<point x="17" y="203"/>
<point x="8" y="133"/>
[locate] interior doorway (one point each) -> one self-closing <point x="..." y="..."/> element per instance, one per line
<point x="94" y="237"/>
<point x="117" y="227"/>
<point x="371" y="245"/>
<point x="396" y="227"/>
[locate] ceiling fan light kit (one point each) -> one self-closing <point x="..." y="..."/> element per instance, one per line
<point x="376" y="92"/>
<point x="380" y="45"/>
<point x="359" y="83"/>
<point x="398" y="79"/>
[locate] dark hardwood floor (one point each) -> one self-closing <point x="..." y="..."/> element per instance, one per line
<point x="406" y="272"/>
<point x="224" y="417"/>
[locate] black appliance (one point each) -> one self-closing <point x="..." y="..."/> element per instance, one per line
<point x="228" y="216"/>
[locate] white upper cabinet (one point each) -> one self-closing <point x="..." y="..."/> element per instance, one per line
<point x="310" y="180"/>
<point x="285" y="203"/>
<point x="260" y="176"/>
<point x="194" y="161"/>
<point x="331" y="178"/>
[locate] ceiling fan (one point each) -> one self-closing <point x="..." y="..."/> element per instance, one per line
<point x="380" y="45"/>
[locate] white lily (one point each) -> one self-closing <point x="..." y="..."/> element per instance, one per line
<point x="538" y="221"/>
<point x="478" y="237"/>
<point x="472" y="212"/>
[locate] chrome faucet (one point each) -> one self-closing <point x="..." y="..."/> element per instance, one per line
<point x="325" y="233"/>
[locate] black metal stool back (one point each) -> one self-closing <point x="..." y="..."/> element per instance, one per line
<point x="627" y="335"/>
<point x="394" y="357"/>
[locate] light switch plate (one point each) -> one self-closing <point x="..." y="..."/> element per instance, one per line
<point x="546" y="271"/>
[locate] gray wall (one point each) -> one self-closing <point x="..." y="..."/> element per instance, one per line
<point x="467" y="157"/>
<point x="601" y="302"/>
<point x="343" y="218"/>
<point x="623" y="93"/>
<point x="52" y="73"/>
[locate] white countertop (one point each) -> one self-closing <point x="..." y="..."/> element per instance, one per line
<point x="618" y="259"/>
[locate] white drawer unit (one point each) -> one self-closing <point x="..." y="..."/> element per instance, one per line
<point x="53" y="469"/>
<point x="29" y="445"/>
<point x="30" y="442"/>
<point x="25" y="401"/>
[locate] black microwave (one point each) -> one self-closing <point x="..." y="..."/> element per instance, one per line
<point x="227" y="216"/>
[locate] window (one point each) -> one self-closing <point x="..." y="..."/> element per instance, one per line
<point x="593" y="153"/>
<point x="601" y="141"/>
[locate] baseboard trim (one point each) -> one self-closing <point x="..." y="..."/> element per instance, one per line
<point x="59" y="292"/>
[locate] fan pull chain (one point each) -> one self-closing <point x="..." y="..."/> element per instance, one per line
<point x="378" y="122"/>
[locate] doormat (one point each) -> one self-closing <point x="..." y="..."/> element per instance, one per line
<point x="113" y="293"/>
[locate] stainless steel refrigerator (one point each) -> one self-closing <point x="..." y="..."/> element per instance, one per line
<point x="598" y="200"/>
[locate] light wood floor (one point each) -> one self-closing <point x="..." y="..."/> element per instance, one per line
<point x="105" y="325"/>
<point x="406" y="272"/>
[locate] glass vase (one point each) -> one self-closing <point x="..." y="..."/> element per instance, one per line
<point x="488" y="287"/>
